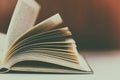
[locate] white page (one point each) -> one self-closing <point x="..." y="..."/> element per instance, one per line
<point x="2" y="41"/>
<point x="44" y="25"/>
<point x="23" y="18"/>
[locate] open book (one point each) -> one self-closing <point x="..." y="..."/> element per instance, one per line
<point x="41" y="48"/>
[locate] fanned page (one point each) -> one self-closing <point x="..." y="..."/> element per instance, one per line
<point x="43" y="49"/>
<point x="23" y="18"/>
<point x="39" y="28"/>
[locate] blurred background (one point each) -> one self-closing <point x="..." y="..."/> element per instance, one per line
<point x="95" y="24"/>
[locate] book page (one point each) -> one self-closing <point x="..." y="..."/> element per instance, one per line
<point x="23" y="18"/>
<point x="2" y="42"/>
<point x="44" y="26"/>
<point x="64" y="52"/>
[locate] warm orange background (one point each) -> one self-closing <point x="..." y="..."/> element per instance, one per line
<point x="95" y="24"/>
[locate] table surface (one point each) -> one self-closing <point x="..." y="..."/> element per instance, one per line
<point x="105" y="64"/>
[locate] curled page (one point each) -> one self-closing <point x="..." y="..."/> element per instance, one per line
<point x="23" y="18"/>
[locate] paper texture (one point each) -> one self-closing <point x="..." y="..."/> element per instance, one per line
<point x="23" y="18"/>
<point x="2" y="41"/>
